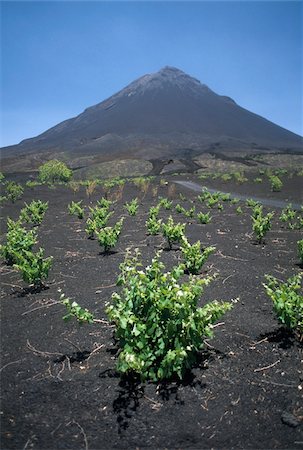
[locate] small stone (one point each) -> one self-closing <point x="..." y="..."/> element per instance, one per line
<point x="289" y="419"/>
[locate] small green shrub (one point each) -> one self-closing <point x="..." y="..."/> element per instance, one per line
<point x="13" y="191"/>
<point x="165" y="203"/>
<point x="194" y="256"/>
<point x="251" y="203"/>
<point x="18" y="241"/>
<point x="261" y="225"/>
<point x="153" y="225"/>
<point x="75" y="209"/>
<point x="239" y="177"/>
<point x="104" y="203"/>
<point x="2" y="178"/>
<point x="204" y="217"/>
<point x="187" y="212"/>
<point x="239" y="210"/>
<point x="132" y="207"/>
<point x="34" y="212"/>
<point x="109" y="236"/>
<point x="288" y="216"/>
<point x="258" y="180"/>
<point x="172" y="231"/>
<point x="300" y="250"/>
<point x="159" y="326"/>
<point x="288" y="303"/>
<point x="276" y="183"/>
<point x="33" y="267"/>
<point x="54" y="171"/>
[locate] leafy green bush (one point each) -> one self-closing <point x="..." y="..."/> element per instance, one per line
<point x="239" y="210"/>
<point x="76" y="209"/>
<point x="288" y="216"/>
<point x="132" y="207"/>
<point x="187" y="212"/>
<point x="165" y="203"/>
<point x="194" y="256"/>
<point x="300" y="250"/>
<point x="34" y="212"/>
<point x="33" y="267"/>
<point x="239" y="177"/>
<point x="13" y="191"/>
<point x="288" y="303"/>
<point x="261" y="225"/>
<point x="104" y="203"/>
<point x="54" y="171"/>
<point x="108" y="237"/>
<point x="2" y="177"/>
<point x="251" y="203"/>
<point x="18" y="241"/>
<point x="258" y="180"/>
<point x="153" y="225"/>
<point x="172" y="231"/>
<point x="204" y="217"/>
<point x="159" y="325"/>
<point x="276" y="183"/>
<point x="98" y="219"/>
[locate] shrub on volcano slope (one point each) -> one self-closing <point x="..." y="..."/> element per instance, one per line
<point x="132" y="207"/>
<point x="204" y="218"/>
<point x="194" y="256"/>
<point x="54" y="171"/>
<point x="76" y="209"/>
<point x="18" y="241"/>
<point x="34" y="212"/>
<point x="33" y="267"/>
<point x="261" y="225"/>
<point x="275" y="183"/>
<point x="300" y="250"/>
<point x="288" y="303"/>
<point x="159" y="326"/>
<point x="13" y="191"/>
<point x="109" y="236"/>
<point x="172" y="231"/>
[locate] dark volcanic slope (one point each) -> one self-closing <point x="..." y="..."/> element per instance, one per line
<point x="167" y="110"/>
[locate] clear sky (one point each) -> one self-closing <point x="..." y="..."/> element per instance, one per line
<point x="60" y="57"/>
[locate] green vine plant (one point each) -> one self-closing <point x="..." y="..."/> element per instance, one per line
<point x="109" y="236"/>
<point x="98" y="219"/>
<point x="187" y="212"/>
<point x="194" y="256"/>
<point x="34" y="212"/>
<point x="18" y="241"/>
<point x="33" y="267"/>
<point x="13" y="191"/>
<point x="300" y="250"/>
<point x="76" y="209"/>
<point x="165" y="203"/>
<point x="173" y="232"/>
<point x="132" y="207"/>
<point x="82" y="315"/>
<point x="204" y="218"/>
<point x="159" y="326"/>
<point x="261" y="225"/>
<point x="287" y="301"/>
<point x="153" y="224"/>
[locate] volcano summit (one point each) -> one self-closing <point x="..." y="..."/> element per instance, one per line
<point x="163" y="115"/>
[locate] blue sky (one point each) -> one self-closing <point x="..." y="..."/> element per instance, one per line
<point x="60" y="57"/>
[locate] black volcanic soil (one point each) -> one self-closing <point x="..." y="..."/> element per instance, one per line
<point x="58" y="381"/>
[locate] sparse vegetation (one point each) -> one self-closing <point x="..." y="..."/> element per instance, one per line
<point x="33" y="267"/>
<point x="109" y="236"/>
<point x="132" y="207"/>
<point x="13" y="191"/>
<point x="76" y="209"/>
<point x="18" y="241"/>
<point x="172" y="231"/>
<point x="195" y="256"/>
<point x="34" y="212"/>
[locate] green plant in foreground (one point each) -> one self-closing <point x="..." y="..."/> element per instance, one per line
<point x="204" y="217"/>
<point x="261" y="225"/>
<point x="33" y="267"/>
<point x="288" y="303"/>
<point x="108" y="237"/>
<point x="76" y="209"/>
<point x="54" y="171"/>
<point x="13" y="191"/>
<point x="194" y="256"/>
<point x="300" y="250"/>
<point x="34" y="212"/>
<point x="97" y="221"/>
<point x="172" y="231"/>
<point x="132" y="207"/>
<point x="18" y="241"/>
<point x="159" y="326"/>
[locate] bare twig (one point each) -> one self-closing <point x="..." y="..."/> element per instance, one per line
<point x="82" y="432"/>
<point x="267" y="367"/>
<point x="52" y="303"/>
<point x="12" y="362"/>
<point x="39" y="352"/>
<point x="74" y="345"/>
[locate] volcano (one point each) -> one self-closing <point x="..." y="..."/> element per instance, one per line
<point x="167" y="114"/>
